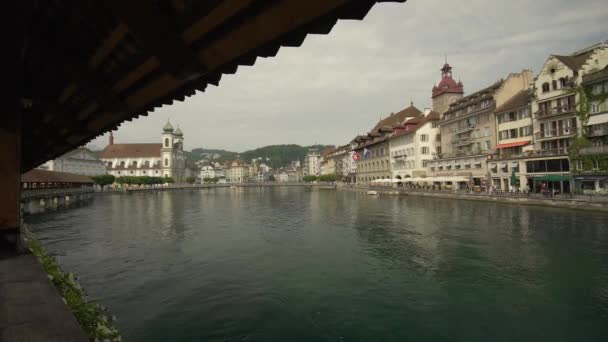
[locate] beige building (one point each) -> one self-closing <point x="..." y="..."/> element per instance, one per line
<point x="554" y="119"/>
<point x="236" y="172"/>
<point x="514" y="142"/>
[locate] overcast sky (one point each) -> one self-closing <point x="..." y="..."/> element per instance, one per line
<point x="338" y="85"/>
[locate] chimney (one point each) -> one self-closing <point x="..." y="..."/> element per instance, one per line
<point x="427" y="111"/>
<point x="111" y="138"/>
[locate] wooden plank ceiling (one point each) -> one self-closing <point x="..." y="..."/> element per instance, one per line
<point x="90" y="65"/>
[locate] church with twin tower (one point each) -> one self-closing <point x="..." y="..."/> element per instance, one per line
<point x="165" y="159"/>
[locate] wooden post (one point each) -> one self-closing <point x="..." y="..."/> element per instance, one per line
<point x="10" y="178"/>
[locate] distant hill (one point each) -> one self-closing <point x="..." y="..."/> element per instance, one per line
<point x="277" y="155"/>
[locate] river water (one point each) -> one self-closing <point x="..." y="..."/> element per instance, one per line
<point x="293" y="264"/>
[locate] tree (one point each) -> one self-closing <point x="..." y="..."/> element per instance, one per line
<point x="103" y="180"/>
<point x="190" y="180"/>
<point x="169" y="180"/>
<point x="327" y="178"/>
<point x="271" y="178"/>
<point x="309" y="178"/>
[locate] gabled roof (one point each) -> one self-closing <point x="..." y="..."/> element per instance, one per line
<point x="416" y="123"/>
<point x="575" y="62"/>
<point x="131" y="151"/>
<point x="397" y="118"/>
<point x="518" y="100"/>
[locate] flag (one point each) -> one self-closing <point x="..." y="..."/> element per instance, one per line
<point x="356" y="156"/>
<point x="366" y="153"/>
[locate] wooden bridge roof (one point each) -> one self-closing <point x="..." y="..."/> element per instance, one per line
<point x="86" y="66"/>
<point x="46" y="176"/>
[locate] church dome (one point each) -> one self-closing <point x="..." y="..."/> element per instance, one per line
<point x="168" y="128"/>
<point x="178" y="132"/>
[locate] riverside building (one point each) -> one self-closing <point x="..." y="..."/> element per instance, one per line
<point x="164" y="159"/>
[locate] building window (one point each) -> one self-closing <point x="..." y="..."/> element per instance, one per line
<point x="166" y="161"/>
<point x="424" y="150"/>
<point x="424" y="137"/>
<point x="546" y="87"/>
<point x="488" y="145"/>
<point x="562" y="82"/>
<point x="554" y="84"/>
<point x="166" y="142"/>
<point x="595" y="108"/>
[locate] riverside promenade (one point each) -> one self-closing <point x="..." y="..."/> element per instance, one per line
<point x="581" y="202"/>
<point x="31" y="309"/>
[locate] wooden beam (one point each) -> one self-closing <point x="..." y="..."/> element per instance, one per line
<point x="158" y="36"/>
<point x="10" y="174"/>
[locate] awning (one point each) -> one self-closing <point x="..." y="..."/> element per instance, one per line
<point x="513" y="144"/>
<point x="552" y="178"/>
<point x="597" y="119"/>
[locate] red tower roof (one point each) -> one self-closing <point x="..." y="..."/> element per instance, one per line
<point x="447" y="83"/>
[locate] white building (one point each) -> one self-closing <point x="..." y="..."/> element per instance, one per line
<point x="165" y="159"/>
<point x="80" y="161"/>
<point x="312" y="163"/>
<point x="413" y="144"/>
<point x="207" y="171"/>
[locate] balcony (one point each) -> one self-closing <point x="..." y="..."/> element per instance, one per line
<point x="555" y="133"/>
<point x="597" y="132"/>
<point x="592" y="150"/>
<point x="461" y="141"/>
<point x="555" y="112"/>
<point x="552" y="152"/>
<point x="463" y="129"/>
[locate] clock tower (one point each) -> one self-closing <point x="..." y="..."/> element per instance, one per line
<point x="447" y="91"/>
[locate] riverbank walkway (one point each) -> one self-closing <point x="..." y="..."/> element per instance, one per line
<point x="31" y="309"/>
<point x="145" y="188"/>
<point x="578" y="201"/>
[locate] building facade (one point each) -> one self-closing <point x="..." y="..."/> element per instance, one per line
<point x="590" y="164"/>
<point x="312" y="163"/>
<point x="555" y="121"/>
<point x="412" y="145"/>
<point x="372" y="151"/>
<point x="80" y="161"/>
<point x="468" y="131"/>
<point x="236" y="172"/>
<point x="165" y="159"/>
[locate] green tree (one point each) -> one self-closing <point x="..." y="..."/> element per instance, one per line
<point x="190" y="180"/>
<point x="327" y="178"/>
<point x="271" y="178"/>
<point x="309" y="178"/>
<point x="103" y="180"/>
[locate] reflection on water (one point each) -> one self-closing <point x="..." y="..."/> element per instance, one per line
<point x="291" y="264"/>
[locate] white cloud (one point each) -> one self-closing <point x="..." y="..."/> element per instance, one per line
<point x="335" y="86"/>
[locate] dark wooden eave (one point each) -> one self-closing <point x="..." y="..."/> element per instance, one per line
<point x="90" y="65"/>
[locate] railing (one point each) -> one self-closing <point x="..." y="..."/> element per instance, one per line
<point x="42" y="193"/>
<point x="598" y="132"/>
<point x="555" y="111"/>
<point x="462" y="141"/>
<point x="463" y="129"/>
<point x="594" y="150"/>
<point x="555" y="133"/>
<point x="552" y="152"/>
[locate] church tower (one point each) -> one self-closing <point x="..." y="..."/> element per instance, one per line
<point x="447" y="91"/>
<point x="166" y="151"/>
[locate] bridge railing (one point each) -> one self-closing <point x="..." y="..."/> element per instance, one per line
<point x="42" y="193"/>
